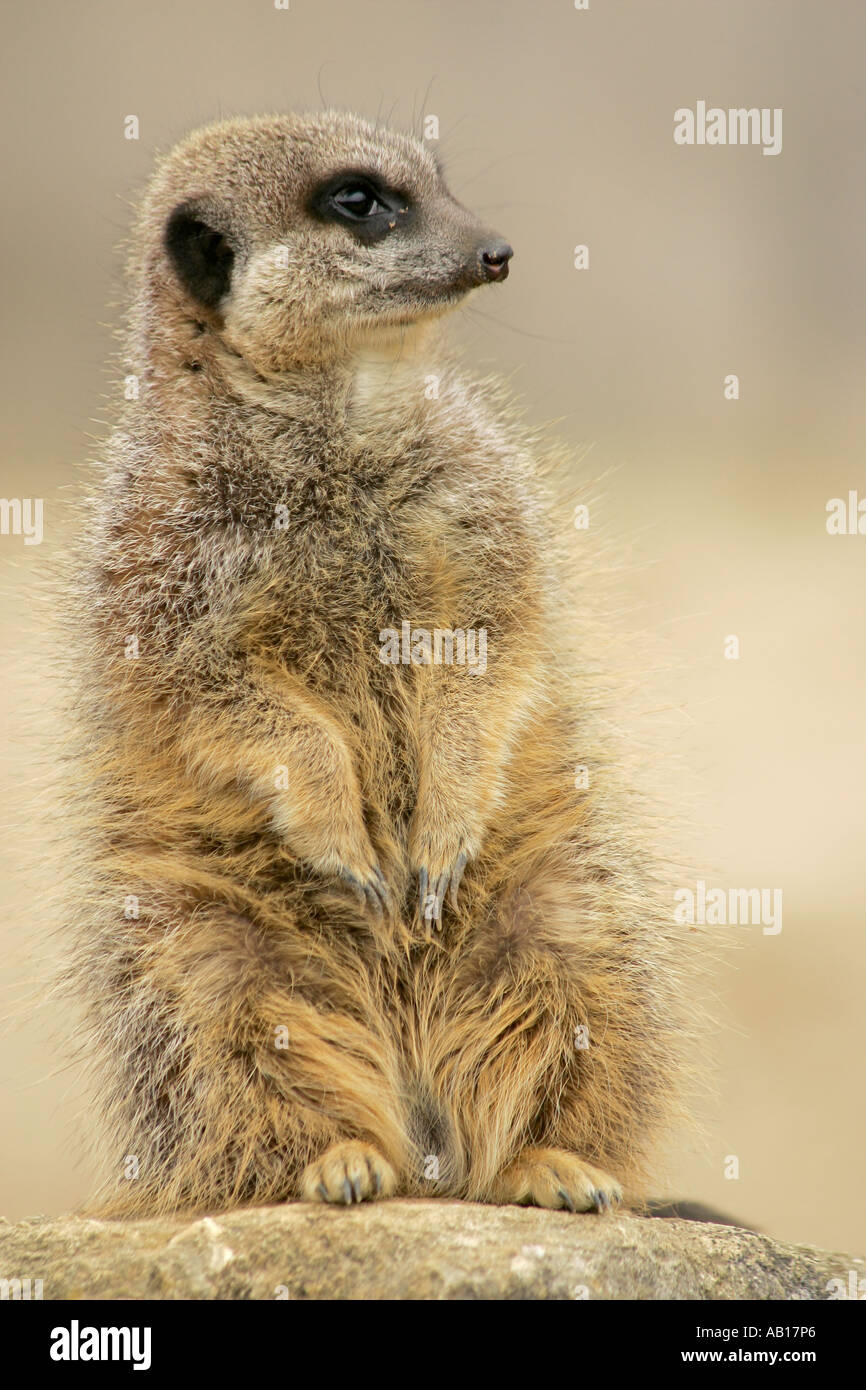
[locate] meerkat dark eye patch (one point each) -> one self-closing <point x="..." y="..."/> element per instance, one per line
<point x="361" y="203"/>
<point x="202" y="257"/>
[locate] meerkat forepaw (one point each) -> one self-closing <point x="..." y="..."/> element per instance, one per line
<point x="556" y="1179"/>
<point x="352" y="859"/>
<point x="334" y="843"/>
<point x="371" y="889"/>
<point x="348" y="1172"/>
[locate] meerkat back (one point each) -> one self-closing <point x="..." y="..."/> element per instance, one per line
<point x="348" y="926"/>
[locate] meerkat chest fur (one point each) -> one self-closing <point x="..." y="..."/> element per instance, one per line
<point x="314" y="520"/>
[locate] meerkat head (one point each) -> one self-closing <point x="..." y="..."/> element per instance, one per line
<point x="300" y="239"/>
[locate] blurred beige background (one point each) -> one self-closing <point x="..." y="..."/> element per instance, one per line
<point x="557" y="126"/>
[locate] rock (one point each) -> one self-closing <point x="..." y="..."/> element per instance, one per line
<point x="414" y="1250"/>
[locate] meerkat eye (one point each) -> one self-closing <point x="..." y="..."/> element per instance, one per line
<point x="360" y="203"/>
<point x="357" y="200"/>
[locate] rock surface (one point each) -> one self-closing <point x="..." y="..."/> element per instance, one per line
<point x="414" y="1250"/>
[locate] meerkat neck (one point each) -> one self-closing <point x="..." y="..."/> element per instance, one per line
<point x="370" y="380"/>
<point x="393" y="378"/>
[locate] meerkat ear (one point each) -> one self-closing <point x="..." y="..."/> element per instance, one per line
<point x="201" y="256"/>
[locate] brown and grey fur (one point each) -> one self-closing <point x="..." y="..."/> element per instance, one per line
<point x="261" y="793"/>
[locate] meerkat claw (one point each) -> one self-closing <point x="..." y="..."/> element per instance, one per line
<point x="431" y="892"/>
<point x="440" y="890"/>
<point x="456" y="876"/>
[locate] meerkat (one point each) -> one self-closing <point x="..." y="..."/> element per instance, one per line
<point x="348" y="924"/>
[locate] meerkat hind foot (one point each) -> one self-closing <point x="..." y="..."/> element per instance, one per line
<point x="556" y="1179"/>
<point x="347" y="1172"/>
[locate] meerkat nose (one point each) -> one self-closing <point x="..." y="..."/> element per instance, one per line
<point x="494" y="260"/>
